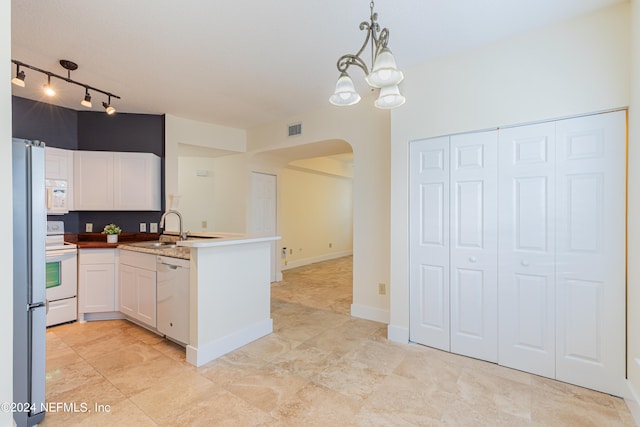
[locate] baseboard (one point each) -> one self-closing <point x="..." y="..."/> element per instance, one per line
<point x="205" y="353"/>
<point x="398" y="334"/>
<point x="313" y="260"/>
<point x="632" y="400"/>
<point x="370" y="313"/>
<point x="110" y="315"/>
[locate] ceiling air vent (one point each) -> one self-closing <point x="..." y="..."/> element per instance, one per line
<point x="295" y="129"/>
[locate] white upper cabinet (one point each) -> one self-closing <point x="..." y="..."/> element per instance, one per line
<point x="117" y="181"/>
<point x="59" y="167"/>
<point x="136" y="181"/>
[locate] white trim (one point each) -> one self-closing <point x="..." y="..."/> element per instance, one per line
<point x="307" y="261"/>
<point x="106" y="315"/>
<point x="631" y="399"/>
<point x="398" y="334"/>
<point x="370" y="313"/>
<point x="205" y="353"/>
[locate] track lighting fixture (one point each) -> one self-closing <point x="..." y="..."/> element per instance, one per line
<point x="18" y="80"/>
<point x="384" y="75"/>
<point x="86" y="102"/>
<point x="108" y="108"/>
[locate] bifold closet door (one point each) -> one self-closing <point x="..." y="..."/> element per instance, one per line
<point x="429" y="243"/>
<point x="590" y="248"/>
<point x="474" y="245"/>
<point x="527" y="248"/>
<point x="453" y="244"/>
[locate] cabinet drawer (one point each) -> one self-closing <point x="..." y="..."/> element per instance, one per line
<point x="138" y="259"/>
<point x="97" y="256"/>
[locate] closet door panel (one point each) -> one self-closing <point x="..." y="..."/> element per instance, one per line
<point x="429" y="243"/>
<point x="527" y="248"/>
<point x="591" y="251"/>
<point x="474" y="245"/>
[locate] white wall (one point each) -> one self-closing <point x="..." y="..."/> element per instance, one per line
<point x="6" y="215"/>
<point x="633" y="233"/>
<point x="197" y="196"/>
<point x="571" y="68"/>
<point x="367" y="130"/>
<point x="203" y="135"/>
<point x="316" y="210"/>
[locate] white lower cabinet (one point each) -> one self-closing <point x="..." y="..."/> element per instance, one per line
<point x="96" y="280"/>
<point x="527" y="270"/>
<point x="137" y="286"/>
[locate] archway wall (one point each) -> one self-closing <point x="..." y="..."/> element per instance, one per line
<point x="367" y="130"/>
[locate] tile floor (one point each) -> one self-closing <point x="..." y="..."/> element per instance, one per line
<point x="319" y="367"/>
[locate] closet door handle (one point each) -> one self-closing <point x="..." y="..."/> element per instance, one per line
<point x="473" y="259"/>
<point x="524" y="263"/>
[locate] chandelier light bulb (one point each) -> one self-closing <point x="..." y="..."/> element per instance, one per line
<point x="345" y="93"/>
<point x="389" y="97"/>
<point x="385" y="72"/>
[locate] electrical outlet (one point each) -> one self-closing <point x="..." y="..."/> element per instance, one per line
<point x="330" y="245"/>
<point x="88" y="228"/>
<point x="204" y="224"/>
<point x="143" y="227"/>
<point x="153" y="227"/>
<point x="284" y="252"/>
<point x="382" y="289"/>
<point x="290" y="251"/>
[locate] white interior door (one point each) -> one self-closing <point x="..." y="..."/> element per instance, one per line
<point x="429" y="243"/>
<point x="263" y="211"/>
<point x="590" y="244"/>
<point x="474" y="245"/>
<point x="526" y="290"/>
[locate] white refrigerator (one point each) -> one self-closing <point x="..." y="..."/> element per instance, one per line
<point x="29" y="283"/>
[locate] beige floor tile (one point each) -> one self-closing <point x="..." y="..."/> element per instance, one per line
<point x="321" y="367"/>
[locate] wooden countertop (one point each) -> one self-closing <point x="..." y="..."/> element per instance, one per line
<point x="99" y="240"/>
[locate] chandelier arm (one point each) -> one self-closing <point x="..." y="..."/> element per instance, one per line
<point x="347" y="60"/>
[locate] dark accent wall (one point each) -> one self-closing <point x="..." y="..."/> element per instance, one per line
<point x="56" y="126"/>
<point x="95" y="131"/>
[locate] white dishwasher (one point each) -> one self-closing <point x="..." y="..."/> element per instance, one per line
<point x="173" y="298"/>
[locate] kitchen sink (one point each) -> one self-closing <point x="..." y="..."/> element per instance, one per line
<point x="155" y="245"/>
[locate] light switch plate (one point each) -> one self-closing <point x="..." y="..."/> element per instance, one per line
<point x="153" y="227"/>
<point x="143" y="227"/>
<point x="88" y="228"/>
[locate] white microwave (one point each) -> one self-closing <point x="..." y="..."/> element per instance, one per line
<point x="57" y="196"/>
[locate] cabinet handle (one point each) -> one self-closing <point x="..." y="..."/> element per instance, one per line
<point x="473" y="259"/>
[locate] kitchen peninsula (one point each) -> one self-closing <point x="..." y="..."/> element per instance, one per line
<point x="229" y="291"/>
<point x="230" y="296"/>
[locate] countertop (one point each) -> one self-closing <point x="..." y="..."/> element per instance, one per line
<point x="99" y="240"/>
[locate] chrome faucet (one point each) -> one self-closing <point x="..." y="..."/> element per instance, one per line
<point x="183" y="236"/>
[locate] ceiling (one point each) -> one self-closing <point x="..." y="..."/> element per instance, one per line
<point x="248" y="62"/>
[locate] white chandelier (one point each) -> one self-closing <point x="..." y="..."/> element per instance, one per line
<point x="384" y="75"/>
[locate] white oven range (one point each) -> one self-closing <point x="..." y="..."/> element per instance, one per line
<point x="62" y="276"/>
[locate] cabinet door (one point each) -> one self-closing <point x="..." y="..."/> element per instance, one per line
<point x="526" y="290"/>
<point x="97" y="288"/>
<point x="56" y="164"/>
<point x="128" y="290"/>
<point x="136" y="181"/>
<point x="146" y="283"/>
<point x="93" y="180"/>
<point x="474" y="245"/>
<point x="429" y="243"/>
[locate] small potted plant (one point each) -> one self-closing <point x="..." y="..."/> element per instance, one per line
<point x="112" y="231"/>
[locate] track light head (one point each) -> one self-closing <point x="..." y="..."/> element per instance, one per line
<point x="110" y="110"/>
<point x="18" y="80"/>
<point x="86" y="102"/>
<point x="48" y="89"/>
